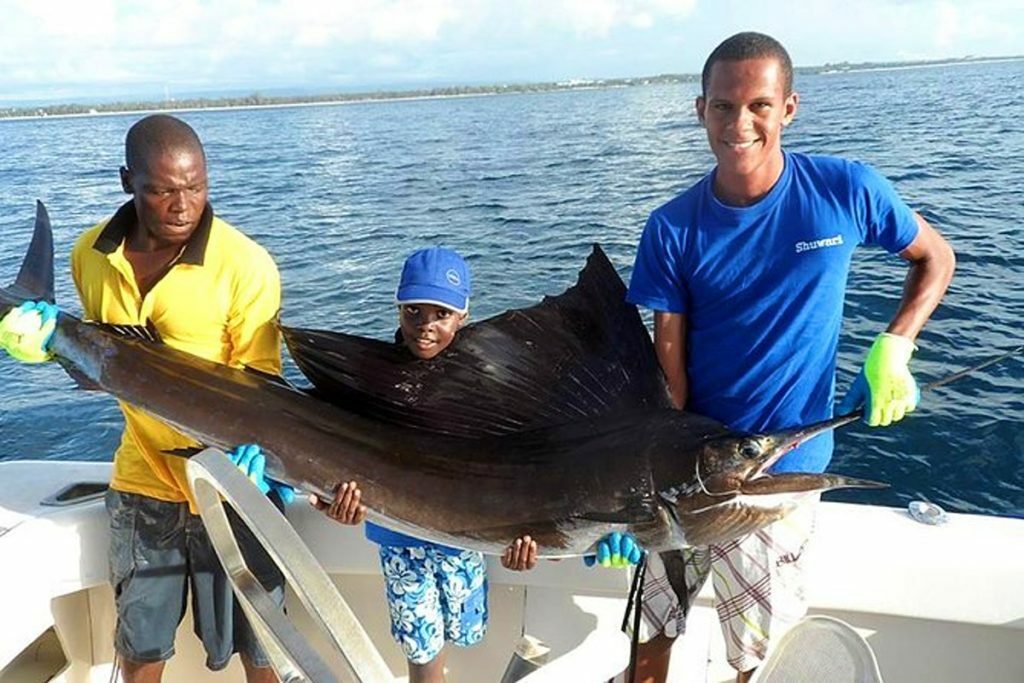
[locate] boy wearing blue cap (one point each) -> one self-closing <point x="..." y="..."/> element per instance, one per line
<point x="436" y="594"/>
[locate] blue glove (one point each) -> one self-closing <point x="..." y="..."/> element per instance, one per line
<point x="250" y="459"/>
<point x="616" y="550"/>
<point x="26" y="331"/>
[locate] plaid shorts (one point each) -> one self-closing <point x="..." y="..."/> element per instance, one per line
<point x="434" y="596"/>
<point x="758" y="582"/>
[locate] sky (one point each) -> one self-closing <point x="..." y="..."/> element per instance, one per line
<point x="101" y="50"/>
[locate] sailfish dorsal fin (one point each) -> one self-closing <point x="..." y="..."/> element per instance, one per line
<point x="577" y="355"/>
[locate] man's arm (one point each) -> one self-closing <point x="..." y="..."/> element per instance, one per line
<point x="885" y="386"/>
<point x="932" y="262"/>
<point x="670" y="345"/>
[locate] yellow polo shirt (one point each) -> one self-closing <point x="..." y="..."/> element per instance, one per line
<point x="219" y="301"/>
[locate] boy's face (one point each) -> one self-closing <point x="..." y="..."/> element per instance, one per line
<point x="427" y="330"/>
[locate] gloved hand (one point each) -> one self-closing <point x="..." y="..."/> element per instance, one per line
<point x="250" y="459"/>
<point x="26" y="331"/>
<point x="884" y="386"/>
<point x="615" y="550"/>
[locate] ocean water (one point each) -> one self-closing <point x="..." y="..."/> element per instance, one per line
<point x="524" y="184"/>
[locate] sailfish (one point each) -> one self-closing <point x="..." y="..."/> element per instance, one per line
<point x="552" y="420"/>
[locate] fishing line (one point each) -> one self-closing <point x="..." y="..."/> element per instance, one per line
<point x="700" y="480"/>
<point x="859" y="412"/>
<point x="700" y="483"/>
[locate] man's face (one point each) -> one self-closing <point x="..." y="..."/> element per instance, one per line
<point x="427" y="330"/>
<point x="744" y="110"/>
<point x="170" y="192"/>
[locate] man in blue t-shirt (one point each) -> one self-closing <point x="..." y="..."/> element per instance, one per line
<point x="746" y="273"/>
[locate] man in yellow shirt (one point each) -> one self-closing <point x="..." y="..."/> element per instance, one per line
<point x="213" y="292"/>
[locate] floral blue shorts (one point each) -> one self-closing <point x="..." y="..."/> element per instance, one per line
<point x="434" y="597"/>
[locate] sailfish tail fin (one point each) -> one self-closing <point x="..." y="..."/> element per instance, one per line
<point x="35" y="279"/>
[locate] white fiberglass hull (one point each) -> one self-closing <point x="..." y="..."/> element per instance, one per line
<point x="943" y="603"/>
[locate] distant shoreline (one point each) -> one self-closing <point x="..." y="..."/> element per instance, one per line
<point x="161" y="107"/>
<point x="918" y="65"/>
<point x="257" y="101"/>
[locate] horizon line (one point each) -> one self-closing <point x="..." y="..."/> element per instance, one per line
<point x="254" y="100"/>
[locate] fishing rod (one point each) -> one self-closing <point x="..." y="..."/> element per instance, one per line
<point x="859" y="412"/>
<point x="980" y="366"/>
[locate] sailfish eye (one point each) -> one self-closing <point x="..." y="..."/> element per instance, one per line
<point x="750" y="449"/>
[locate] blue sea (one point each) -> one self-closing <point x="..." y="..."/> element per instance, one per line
<point x="524" y="184"/>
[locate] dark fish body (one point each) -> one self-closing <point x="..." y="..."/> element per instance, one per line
<point x="593" y="448"/>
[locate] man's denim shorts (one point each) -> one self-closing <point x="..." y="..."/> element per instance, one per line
<point x="159" y="552"/>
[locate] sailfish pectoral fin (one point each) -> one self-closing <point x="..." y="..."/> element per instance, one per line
<point x="725" y="522"/>
<point x="801" y="483"/>
<point x="764" y="500"/>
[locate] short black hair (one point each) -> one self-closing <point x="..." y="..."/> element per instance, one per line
<point x="157" y="134"/>
<point x="749" y="45"/>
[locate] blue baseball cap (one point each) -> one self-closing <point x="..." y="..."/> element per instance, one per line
<point x="435" y="276"/>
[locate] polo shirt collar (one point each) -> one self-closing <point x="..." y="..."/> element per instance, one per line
<point x="125" y="218"/>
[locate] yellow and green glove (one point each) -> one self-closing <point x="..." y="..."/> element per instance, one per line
<point x="26" y="331"/>
<point x="616" y="550"/>
<point x="884" y="386"/>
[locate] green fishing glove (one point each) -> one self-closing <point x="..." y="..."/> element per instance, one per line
<point x="26" y="331"/>
<point x="884" y="386"/>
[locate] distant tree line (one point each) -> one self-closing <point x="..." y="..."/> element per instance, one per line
<point x="256" y="100"/>
<point x="862" y="66"/>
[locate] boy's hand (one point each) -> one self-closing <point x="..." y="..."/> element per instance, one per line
<point x="884" y="386"/>
<point x="26" y="331"/>
<point x="250" y="460"/>
<point x="346" y="506"/>
<point x="520" y="555"/>
<point x="615" y="550"/>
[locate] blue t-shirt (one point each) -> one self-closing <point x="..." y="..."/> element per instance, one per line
<point x="762" y="289"/>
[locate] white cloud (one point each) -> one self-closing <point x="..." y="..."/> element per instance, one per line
<point x="264" y="43"/>
<point x="89" y="23"/>
<point x="419" y="21"/>
<point x="955" y="28"/>
<point x="599" y="18"/>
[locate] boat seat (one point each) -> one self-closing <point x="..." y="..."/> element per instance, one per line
<point x="820" y="648"/>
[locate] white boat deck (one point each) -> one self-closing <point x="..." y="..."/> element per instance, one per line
<point x="942" y="603"/>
